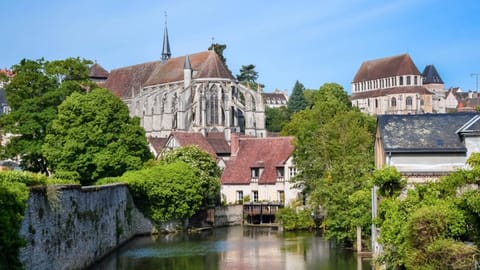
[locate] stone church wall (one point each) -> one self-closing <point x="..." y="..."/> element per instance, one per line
<point x="70" y="227"/>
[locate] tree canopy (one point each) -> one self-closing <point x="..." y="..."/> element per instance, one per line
<point x="334" y="155"/>
<point x="276" y="118"/>
<point x="93" y="137"/>
<point x="33" y="94"/>
<point x="297" y="101"/>
<point x="248" y="76"/>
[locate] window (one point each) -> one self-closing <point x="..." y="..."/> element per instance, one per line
<point x="394" y="102"/>
<point x="255" y="174"/>
<point x="239" y="196"/>
<point x="376" y="103"/>
<point x="408" y="101"/>
<point x="281" y="196"/>
<point x="280" y="174"/>
<point x="401" y="80"/>
<point x="415" y="80"/>
<point x="409" y="80"/>
<point x="255" y="195"/>
<point x="292" y="171"/>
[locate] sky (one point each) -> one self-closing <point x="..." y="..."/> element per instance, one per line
<point x="314" y="42"/>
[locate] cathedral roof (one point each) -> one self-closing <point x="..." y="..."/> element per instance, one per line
<point x="97" y="71"/>
<point x="123" y="81"/>
<point x="430" y="75"/>
<point x="204" y="64"/>
<point x="391" y="91"/>
<point x="267" y="153"/>
<point x="386" y="67"/>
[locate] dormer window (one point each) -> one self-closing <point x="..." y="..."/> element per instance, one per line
<point x="255" y="172"/>
<point x="280" y="174"/>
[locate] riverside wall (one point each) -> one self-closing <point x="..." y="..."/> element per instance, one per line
<point x="70" y="227"/>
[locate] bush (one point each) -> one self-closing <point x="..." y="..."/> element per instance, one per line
<point x="295" y="220"/>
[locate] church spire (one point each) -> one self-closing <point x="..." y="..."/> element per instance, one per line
<point x="166" y="45"/>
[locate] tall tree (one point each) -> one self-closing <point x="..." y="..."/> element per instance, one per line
<point x="297" y="101"/>
<point x="276" y="118"/>
<point x="333" y="153"/>
<point x="33" y="94"/>
<point x="93" y="137"/>
<point x="248" y="76"/>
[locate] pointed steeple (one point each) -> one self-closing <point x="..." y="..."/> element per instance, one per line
<point x="166" y="53"/>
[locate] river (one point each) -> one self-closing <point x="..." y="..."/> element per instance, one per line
<point x="233" y="248"/>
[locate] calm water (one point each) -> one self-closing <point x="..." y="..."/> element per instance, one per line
<point x="232" y="248"/>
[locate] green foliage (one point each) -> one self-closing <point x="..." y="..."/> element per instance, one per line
<point x="292" y="219"/>
<point x="210" y="173"/>
<point x="13" y="198"/>
<point x="276" y="118"/>
<point x="248" y="76"/>
<point x="389" y="180"/>
<point x="164" y="192"/>
<point x="93" y="137"/>
<point x="33" y="94"/>
<point x="297" y="101"/>
<point x="334" y="155"/>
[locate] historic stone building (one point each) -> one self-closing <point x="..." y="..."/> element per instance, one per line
<point x="393" y="85"/>
<point x="195" y="93"/>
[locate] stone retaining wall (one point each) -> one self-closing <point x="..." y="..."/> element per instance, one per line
<point x="70" y="227"/>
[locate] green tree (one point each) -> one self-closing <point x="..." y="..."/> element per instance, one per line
<point x="33" y="94"/>
<point x="210" y="173"/>
<point x="389" y="181"/>
<point x="276" y="118"/>
<point x="93" y="137"/>
<point x="297" y="101"/>
<point x="333" y="152"/>
<point x="248" y="76"/>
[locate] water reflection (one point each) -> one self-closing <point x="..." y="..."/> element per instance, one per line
<point x="230" y="249"/>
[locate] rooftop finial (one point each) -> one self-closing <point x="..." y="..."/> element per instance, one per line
<point x="166" y="53"/>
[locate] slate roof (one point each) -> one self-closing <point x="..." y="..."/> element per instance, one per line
<point x="423" y="132"/>
<point x="266" y="153"/>
<point x="430" y="75"/>
<point x="386" y="67"/>
<point x="123" y="81"/>
<point x="98" y="72"/>
<point x="274" y="98"/>
<point x="392" y="91"/>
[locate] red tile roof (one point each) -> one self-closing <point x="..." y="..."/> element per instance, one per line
<point x="204" y="64"/>
<point x="157" y="143"/>
<point x="218" y="142"/>
<point x="266" y="153"/>
<point x="7" y="72"/>
<point x="123" y="81"/>
<point x="386" y="67"/>
<point x="194" y="138"/>
<point x="391" y="91"/>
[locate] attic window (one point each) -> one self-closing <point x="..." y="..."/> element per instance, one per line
<point x="255" y="174"/>
<point x="280" y="174"/>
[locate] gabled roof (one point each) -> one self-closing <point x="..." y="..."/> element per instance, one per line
<point x="266" y="153"/>
<point x="391" y="91"/>
<point x="423" y="132"/>
<point x="98" y="72"/>
<point x="204" y="64"/>
<point x="157" y="143"/>
<point x="218" y="142"/>
<point x="386" y="67"/>
<point x="430" y="75"/>
<point x="193" y="138"/>
<point x="124" y="81"/>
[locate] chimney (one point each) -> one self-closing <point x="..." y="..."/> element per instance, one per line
<point x="234" y="144"/>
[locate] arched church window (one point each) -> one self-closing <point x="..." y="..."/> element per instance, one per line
<point x="212" y="106"/>
<point x="409" y="80"/>
<point x="415" y="80"/>
<point x="376" y="103"/>
<point x="400" y="81"/>
<point x="408" y="101"/>
<point x="393" y="102"/>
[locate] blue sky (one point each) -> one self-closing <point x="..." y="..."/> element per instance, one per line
<point x="314" y="42"/>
